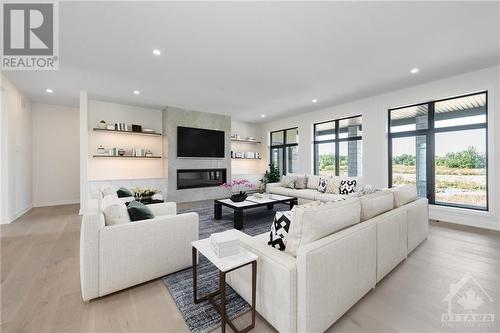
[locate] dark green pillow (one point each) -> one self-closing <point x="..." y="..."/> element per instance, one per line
<point x="139" y="211"/>
<point x="124" y="192"/>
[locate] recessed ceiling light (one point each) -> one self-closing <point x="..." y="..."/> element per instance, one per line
<point x="49" y="91"/>
<point x="314" y="100"/>
<point x="263" y="115"/>
<point x="414" y="71"/>
<point x="137" y="92"/>
<point x="157" y="52"/>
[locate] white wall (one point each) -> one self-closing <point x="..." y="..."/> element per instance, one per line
<point x="16" y="152"/>
<point x="55" y="155"/>
<point x="374" y="112"/>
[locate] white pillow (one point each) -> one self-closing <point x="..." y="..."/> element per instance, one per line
<point x="333" y="185"/>
<point x="108" y="190"/>
<point x="313" y="223"/>
<point x="376" y="203"/>
<point x="114" y="210"/>
<point x="312" y="182"/>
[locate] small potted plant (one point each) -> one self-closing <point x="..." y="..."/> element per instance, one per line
<point x="144" y="194"/>
<point x="236" y="189"/>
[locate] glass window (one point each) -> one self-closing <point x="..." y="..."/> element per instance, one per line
<point x="452" y="171"/>
<point x="284" y="150"/>
<point x="460" y="167"/>
<point x="338" y="147"/>
<point x="409" y="119"/>
<point x="325" y="159"/>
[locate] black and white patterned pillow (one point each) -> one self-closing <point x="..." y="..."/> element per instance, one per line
<point x="323" y="183"/>
<point x="279" y="230"/>
<point x="347" y="186"/>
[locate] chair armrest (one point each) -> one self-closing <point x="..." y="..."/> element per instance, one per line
<point x="136" y="252"/>
<point x="164" y="208"/>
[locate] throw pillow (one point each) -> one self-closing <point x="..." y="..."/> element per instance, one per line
<point x="279" y="230"/>
<point x="107" y="190"/>
<point x="114" y="210"/>
<point x="288" y="181"/>
<point x="347" y="186"/>
<point x="301" y="182"/>
<point x="139" y="211"/>
<point x="323" y="182"/>
<point x="124" y="192"/>
<point x="333" y="185"/>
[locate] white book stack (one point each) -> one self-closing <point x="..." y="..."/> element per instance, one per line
<point x="224" y="244"/>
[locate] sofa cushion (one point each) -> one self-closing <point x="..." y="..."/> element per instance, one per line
<point x="312" y="182"/>
<point x="376" y="203"/>
<point x="304" y="194"/>
<point x="313" y="223"/>
<point x="288" y="181"/>
<point x="107" y="190"/>
<point x="333" y="185"/>
<point x="114" y="210"/>
<point x="404" y="194"/>
<point x="280" y="190"/>
<point x="301" y="182"/>
<point x="347" y="186"/>
<point x="323" y="183"/>
<point x="328" y="197"/>
<point x="279" y="230"/>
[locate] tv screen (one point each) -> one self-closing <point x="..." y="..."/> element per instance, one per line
<point x="198" y="142"/>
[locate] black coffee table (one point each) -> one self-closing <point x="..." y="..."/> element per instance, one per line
<point x="250" y="202"/>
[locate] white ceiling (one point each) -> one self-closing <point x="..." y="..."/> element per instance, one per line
<point x="246" y="59"/>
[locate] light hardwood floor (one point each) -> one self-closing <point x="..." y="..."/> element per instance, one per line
<point x="40" y="289"/>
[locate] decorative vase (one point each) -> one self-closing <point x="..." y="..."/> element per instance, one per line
<point x="102" y="124"/>
<point x="238" y="197"/>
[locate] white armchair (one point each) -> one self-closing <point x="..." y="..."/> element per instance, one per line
<point x="116" y="257"/>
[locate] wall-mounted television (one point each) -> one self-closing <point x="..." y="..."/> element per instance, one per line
<point x="199" y="142"/>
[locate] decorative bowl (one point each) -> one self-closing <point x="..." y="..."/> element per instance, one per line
<point x="238" y="197"/>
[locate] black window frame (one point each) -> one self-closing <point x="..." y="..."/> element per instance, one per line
<point x="430" y="134"/>
<point x="337" y="142"/>
<point x="284" y="145"/>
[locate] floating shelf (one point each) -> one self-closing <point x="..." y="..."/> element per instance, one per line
<point x="125" y="156"/>
<point x="127" y="132"/>
<point x="245" y="158"/>
<point x="244" y="141"/>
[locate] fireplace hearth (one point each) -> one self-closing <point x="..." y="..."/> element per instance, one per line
<point x="195" y="178"/>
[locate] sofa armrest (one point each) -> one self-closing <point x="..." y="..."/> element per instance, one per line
<point x="140" y="251"/>
<point x="276" y="283"/>
<point x="333" y="273"/>
<point x="164" y="208"/>
<point x="269" y="185"/>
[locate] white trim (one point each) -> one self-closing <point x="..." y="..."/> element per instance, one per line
<point x="462" y="216"/>
<point x="56" y="203"/>
<point x="16" y="216"/>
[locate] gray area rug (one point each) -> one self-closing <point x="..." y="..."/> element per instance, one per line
<point x="201" y="318"/>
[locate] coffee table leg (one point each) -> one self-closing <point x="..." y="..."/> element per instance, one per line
<point x="222" y="287"/>
<point x="292" y="203"/>
<point x="238" y="219"/>
<point x="217" y="211"/>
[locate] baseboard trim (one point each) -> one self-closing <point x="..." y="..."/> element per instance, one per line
<point x="16" y="216"/>
<point x="56" y="203"/>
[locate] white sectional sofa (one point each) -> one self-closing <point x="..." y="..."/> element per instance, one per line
<point x="310" y="193"/>
<point x="115" y="257"/>
<point x="310" y="291"/>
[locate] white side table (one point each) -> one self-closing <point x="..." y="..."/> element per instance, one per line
<point x="224" y="265"/>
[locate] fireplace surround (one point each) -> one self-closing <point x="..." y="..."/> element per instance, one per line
<point x="195" y="178"/>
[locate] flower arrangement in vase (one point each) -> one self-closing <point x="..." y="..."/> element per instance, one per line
<point x="236" y="189"/>
<point x="144" y="194"/>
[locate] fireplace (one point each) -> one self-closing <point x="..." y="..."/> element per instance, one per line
<point x="194" y="178"/>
